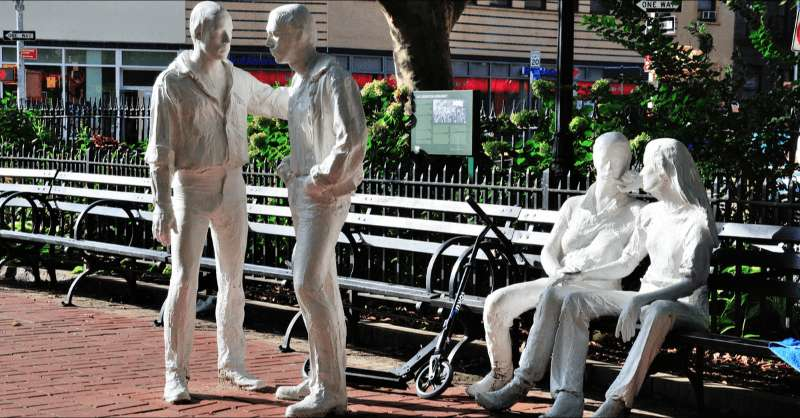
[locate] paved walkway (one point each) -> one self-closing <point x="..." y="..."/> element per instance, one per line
<point x="106" y="359"/>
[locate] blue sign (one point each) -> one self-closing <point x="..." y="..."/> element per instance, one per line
<point x="539" y="72"/>
<point x="252" y="60"/>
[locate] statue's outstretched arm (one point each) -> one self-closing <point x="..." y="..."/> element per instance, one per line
<point x="265" y="100"/>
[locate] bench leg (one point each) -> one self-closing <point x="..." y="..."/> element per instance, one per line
<point x="286" y="347"/>
<point x="696" y="376"/>
<point x="11" y="271"/>
<point x="68" y="299"/>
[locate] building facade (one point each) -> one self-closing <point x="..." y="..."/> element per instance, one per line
<point x="115" y="49"/>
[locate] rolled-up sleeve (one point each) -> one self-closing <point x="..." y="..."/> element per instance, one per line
<point x="349" y="126"/>
<point x="160" y="154"/>
<point x="265" y="100"/>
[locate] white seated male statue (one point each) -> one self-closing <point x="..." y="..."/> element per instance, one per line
<point x="590" y="235"/>
<point x="197" y="147"/>
<point x="327" y="131"/>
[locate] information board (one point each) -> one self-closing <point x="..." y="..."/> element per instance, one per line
<point x="445" y="122"/>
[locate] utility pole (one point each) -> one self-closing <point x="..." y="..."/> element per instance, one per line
<point x="562" y="143"/>
<point x="21" y="88"/>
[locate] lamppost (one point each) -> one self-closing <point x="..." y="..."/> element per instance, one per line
<point x="21" y="90"/>
<point x="562" y="143"/>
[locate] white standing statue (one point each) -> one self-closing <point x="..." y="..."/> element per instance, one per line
<point x="678" y="232"/>
<point x="327" y="131"/>
<point x="590" y="235"/>
<point x="198" y="145"/>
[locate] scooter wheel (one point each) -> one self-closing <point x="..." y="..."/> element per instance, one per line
<point x="306" y="368"/>
<point x="429" y="385"/>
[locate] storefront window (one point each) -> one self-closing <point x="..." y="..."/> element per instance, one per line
<point x="48" y="56"/>
<point x="148" y="58"/>
<point x="82" y="56"/>
<point x="9" y="54"/>
<point x="139" y="78"/>
<point x="43" y="83"/>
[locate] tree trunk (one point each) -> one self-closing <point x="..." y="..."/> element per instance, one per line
<point x="420" y="31"/>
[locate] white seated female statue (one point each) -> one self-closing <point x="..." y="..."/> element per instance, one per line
<point x="588" y="238"/>
<point x="678" y="233"/>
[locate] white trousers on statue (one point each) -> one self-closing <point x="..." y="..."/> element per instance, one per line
<point x="561" y="329"/>
<point x="507" y="303"/>
<point x="214" y="197"/>
<point x="317" y="227"/>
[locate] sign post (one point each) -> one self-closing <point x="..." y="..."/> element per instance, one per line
<point x="796" y="37"/>
<point x="22" y="94"/>
<point x="533" y="73"/>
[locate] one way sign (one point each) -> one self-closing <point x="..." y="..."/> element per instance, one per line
<point x="651" y="6"/>
<point x="19" y="35"/>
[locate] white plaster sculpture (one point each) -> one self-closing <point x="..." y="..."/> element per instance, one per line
<point x="327" y="131"/>
<point x="586" y="241"/>
<point x="198" y="145"/>
<point x="678" y="233"/>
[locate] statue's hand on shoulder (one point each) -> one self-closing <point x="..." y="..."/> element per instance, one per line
<point x="163" y="224"/>
<point x="285" y="172"/>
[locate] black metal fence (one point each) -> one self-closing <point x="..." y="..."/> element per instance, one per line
<point x="127" y="120"/>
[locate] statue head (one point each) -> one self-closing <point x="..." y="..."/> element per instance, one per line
<point x="210" y="27"/>
<point x="669" y="169"/>
<point x="290" y="33"/>
<point x="611" y="155"/>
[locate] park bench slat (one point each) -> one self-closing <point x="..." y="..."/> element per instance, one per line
<point x="413" y="203"/>
<point x="102" y="194"/>
<point x="94" y="246"/>
<point x="104" y="179"/>
<point x="757" y="232"/>
<point x="538" y="216"/>
<point x="27" y="173"/>
<point x="27" y="188"/>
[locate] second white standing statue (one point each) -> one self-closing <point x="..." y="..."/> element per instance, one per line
<point x="327" y="131"/>
<point x="678" y="232"/>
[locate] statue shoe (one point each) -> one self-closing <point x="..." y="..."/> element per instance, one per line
<point x="318" y="405"/>
<point x="611" y="408"/>
<point x="241" y="380"/>
<point x="176" y="389"/>
<point x="504" y="398"/>
<point x="294" y="393"/>
<point x="490" y="383"/>
<point x="567" y="404"/>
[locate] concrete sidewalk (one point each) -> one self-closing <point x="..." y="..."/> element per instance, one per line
<point x="107" y="359"/>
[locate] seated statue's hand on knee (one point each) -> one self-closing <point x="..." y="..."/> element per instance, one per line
<point x="626" y="325"/>
<point x="163" y="224"/>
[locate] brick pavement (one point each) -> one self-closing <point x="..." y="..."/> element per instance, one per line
<point x="91" y="361"/>
<point x="107" y="360"/>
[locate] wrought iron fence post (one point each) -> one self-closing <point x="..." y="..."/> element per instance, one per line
<point x="546" y="189"/>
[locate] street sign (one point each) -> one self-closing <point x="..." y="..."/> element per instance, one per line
<point x="651" y="6"/>
<point x="19" y="35"/>
<point x="796" y="37"/>
<point x="536" y="58"/>
<point x="31" y="54"/>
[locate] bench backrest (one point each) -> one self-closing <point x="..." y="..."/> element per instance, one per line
<point x="753" y="286"/>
